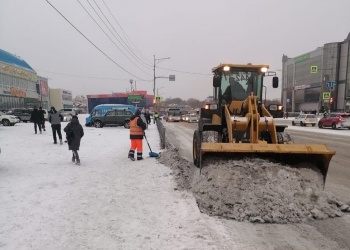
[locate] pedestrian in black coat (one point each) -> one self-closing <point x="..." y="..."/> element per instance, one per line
<point x="148" y="117"/>
<point x="74" y="133"/>
<point x="42" y="117"/>
<point x="35" y="118"/>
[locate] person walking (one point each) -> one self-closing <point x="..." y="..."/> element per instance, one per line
<point x="137" y="128"/>
<point x="148" y="117"/>
<point x="74" y="133"/>
<point x="55" y="119"/>
<point x="35" y="117"/>
<point x="155" y="117"/>
<point x="42" y="117"/>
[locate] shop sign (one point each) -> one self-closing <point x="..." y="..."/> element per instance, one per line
<point x="18" y="92"/>
<point x="302" y="58"/>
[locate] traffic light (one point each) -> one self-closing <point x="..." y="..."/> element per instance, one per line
<point x="331" y="100"/>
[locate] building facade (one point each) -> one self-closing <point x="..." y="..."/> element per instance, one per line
<point x="61" y="99"/>
<point x="19" y="87"/>
<point x="318" y="80"/>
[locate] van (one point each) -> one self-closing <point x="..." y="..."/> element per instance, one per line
<point x="101" y="110"/>
<point x="23" y="114"/>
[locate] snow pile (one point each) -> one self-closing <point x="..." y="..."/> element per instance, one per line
<point x="257" y="190"/>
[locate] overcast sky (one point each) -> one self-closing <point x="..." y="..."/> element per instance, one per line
<point x="197" y="35"/>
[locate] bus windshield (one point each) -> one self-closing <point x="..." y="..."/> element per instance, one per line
<point x="174" y="112"/>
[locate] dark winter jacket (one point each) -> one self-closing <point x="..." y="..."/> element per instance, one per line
<point x="139" y="123"/>
<point x="35" y="116"/>
<point x="74" y="133"/>
<point x="41" y="115"/>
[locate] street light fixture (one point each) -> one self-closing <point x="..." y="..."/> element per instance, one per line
<point x="155" y="62"/>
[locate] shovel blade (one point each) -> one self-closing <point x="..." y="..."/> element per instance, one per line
<point x="153" y="154"/>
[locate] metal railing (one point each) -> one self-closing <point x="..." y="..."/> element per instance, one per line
<point x="161" y="130"/>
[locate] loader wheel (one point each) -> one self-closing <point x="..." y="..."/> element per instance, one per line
<point x="196" y="148"/>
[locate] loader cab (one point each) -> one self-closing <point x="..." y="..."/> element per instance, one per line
<point x="237" y="82"/>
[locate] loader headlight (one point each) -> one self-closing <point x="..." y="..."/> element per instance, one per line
<point x="227" y="68"/>
<point x="263" y="69"/>
<point x="211" y="106"/>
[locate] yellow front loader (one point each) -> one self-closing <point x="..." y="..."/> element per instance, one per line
<point x="236" y="123"/>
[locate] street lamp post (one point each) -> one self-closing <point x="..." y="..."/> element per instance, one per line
<point x="155" y="62"/>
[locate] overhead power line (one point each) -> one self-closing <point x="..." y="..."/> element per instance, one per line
<point x="127" y="48"/>
<point x="125" y="35"/>
<point x="90" y="77"/>
<point x="108" y="35"/>
<point x="93" y="43"/>
<point x="185" y="72"/>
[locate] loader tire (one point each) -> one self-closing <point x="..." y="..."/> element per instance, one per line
<point x="196" y="148"/>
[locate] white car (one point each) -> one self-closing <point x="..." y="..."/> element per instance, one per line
<point x="305" y="119"/>
<point x="66" y="116"/>
<point x="192" y="118"/>
<point x="8" y="120"/>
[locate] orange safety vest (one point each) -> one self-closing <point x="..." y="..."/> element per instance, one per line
<point x="136" y="132"/>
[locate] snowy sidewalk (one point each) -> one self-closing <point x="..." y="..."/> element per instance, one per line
<point x="108" y="202"/>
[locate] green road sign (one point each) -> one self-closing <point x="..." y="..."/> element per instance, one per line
<point x="135" y="98"/>
<point x="313" y="69"/>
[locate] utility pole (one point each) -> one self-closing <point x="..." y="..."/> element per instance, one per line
<point x="155" y="62"/>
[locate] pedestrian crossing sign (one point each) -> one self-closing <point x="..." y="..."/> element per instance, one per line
<point x="326" y="95"/>
<point x="158" y="99"/>
<point x="313" y="69"/>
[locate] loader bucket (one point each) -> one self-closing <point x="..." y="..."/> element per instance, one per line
<point x="291" y="154"/>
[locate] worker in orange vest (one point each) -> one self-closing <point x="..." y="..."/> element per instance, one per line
<point x="137" y="128"/>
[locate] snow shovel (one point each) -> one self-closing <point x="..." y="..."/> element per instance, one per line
<point x="151" y="154"/>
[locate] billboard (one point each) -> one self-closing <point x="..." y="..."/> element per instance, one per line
<point x="44" y="88"/>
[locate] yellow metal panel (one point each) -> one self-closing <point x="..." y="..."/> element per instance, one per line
<point x="265" y="148"/>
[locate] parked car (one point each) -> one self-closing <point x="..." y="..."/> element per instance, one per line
<point x="192" y="118"/>
<point x="67" y="116"/>
<point x="23" y="114"/>
<point x="69" y="110"/>
<point x="334" y="121"/>
<point x="114" y="117"/>
<point x="100" y="110"/>
<point x="8" y="120"/>
<point x="305" y="119"/>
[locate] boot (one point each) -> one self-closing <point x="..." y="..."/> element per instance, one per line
<point x="61" y="142"/>
<point x="131" y="155"/>
<point x="77" y="162"/>
<point x="73" y="158"/>
<point x="139" y="156"/>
